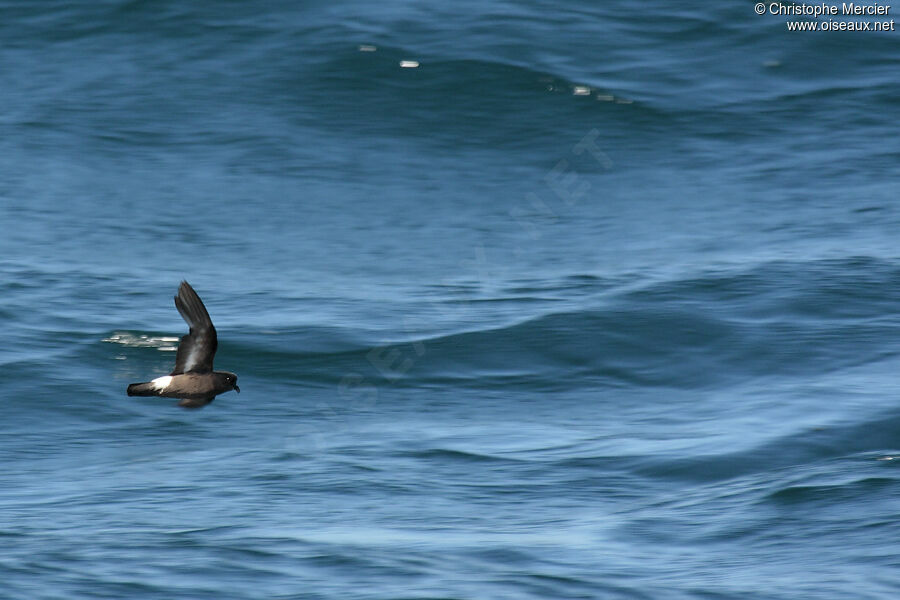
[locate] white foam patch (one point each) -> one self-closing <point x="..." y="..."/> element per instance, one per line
<point x="161" y="383"/>
<point x="163" y="343"/>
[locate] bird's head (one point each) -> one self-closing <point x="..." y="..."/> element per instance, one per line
<point x="231" y="380"/>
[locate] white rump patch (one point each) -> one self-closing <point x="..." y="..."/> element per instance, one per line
<point x="161" y="383"/>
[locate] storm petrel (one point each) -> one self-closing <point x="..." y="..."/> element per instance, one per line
<point x="193" y="380"/>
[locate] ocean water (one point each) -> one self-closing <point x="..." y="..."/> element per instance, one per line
<point x="593" y="302"/>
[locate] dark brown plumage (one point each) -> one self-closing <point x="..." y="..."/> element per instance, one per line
<point x="193" y="379"/>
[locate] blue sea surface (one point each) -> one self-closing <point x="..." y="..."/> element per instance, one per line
<point x="527" y="300"/>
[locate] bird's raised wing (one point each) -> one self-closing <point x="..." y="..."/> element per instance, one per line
<point x="197" y="348"/>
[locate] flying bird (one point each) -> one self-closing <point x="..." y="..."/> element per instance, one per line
<point x="193" y="380"/>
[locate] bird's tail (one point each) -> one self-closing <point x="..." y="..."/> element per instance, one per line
<point x="141" y="389"/>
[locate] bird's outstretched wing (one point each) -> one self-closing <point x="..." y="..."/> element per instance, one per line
<point x="197" y="348"/>
<point x="195" y="402"/>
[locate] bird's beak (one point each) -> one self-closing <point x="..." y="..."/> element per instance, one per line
<point x="237" y="389"/>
